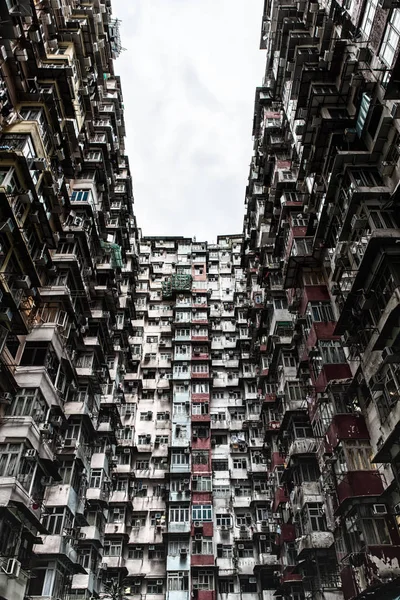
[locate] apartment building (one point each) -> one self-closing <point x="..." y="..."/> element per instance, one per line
<point x="68" y="260"/>
<point x="321" y="235"/>
<point x="199" y="516"/>
<point x="188" y="420"/>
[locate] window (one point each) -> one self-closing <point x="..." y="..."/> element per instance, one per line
<point x="200" y="388"/>
<point x="117" y="515"/>
<point x="375" y="531"/>
<point x="313" y="518"/>
<point x="332" y="352"/>
<point x="154" y="586"/>
<point x="200" y="368"/>
<point x="96" y="477"/>
<point x="144" y="439"/>
<point x="202" y="484"/>
<point x="224" y="520"/>
<point x="224" y="551"/>
<point x="201" y="512"/>
<point x="156" y="553"/>
<point x="321" y="312"/>
<point x="200" y="408"/>
<point x="226" y="586"/>
<point x="313" y="278"/>
<point x="220" y="465"/>
<point x="368" y="18"/>
<point x="203" y="546"/>
<point x="163" y="416"/>
<point x="180" y="458"/>
<point x="112" y="548"/>
<point x="391" y="38"/>
<point x="240" y="463"/>
<point x="136" y="553"/>
<point x="203" y="580"/>
<point x="178" y="582"/>
<point x="179" y="514"/>
<point x="30" y="403"/>
<point x="249" y="585"/>
<point x="200" y="457"/>
<point x="180" y="409"/>
<point x="142" y="465"/>
<point x="175" y="547"/>
<point x="146" y="416"/>
<point x="245" y="550"/>
<point x="294" y="391"/>
<point x="58" y="521"/>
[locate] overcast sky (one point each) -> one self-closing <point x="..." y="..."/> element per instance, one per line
<point x="189" y="74"/>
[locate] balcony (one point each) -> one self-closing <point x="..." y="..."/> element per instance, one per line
<point x="13" y="493"/>
<point x="359" y="484"/>
<point x="315" y="540"/>
<point x="179" y="527"/>
<point x="179" y="468"/>
<point x="373" y="569"/>
<point x="92" y="533"/>
<point x="114" y="562"/>
<point x="347" y="427"/>
<point x="302" y="446"/>
<point x="178" y="595"/>
<point x="269" y="560"/>
<point x="59" y="545"/>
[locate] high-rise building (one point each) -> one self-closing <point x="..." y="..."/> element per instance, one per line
<point x="183" y="420"/>
<point x="321" y="236"/>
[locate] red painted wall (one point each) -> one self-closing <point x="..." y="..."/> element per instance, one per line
<point x="356" y="484"/>
<point x="313" y="293"/>
<point x="201" y="444"/>
<point x="330" y="372"/>
<point x="201" y="560"/>
<point x="347" y="427"/>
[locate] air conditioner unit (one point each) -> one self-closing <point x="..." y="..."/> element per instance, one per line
<point x="26" y="197"/>
<point x="379" y="509"/>
<point x="198" y="537"/>
<point x="46" y="428"/>
<point x="21" y="55"/>
<point x="7" y="226"/>
<point x="31" y="453"/>
<point x="160" y="581"/>
<point x="252" y="579"/>
<point x="23" y="283"/>
<point x="328" y="55"/>
<point x="183" y="551"/>
<point x="12" y="567"/>
<point x="395" y="110"/>
<point x="6" y="398"/>
<point x="81" y="536"/>
<point x="243" y="528"/>
<point x="34" y="217"/>
<point x="240" y="546"/>
<point x="358" y="222"/>
<point x="70" y="442"/>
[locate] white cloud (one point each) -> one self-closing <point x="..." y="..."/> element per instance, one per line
<point x="188" y="75"/>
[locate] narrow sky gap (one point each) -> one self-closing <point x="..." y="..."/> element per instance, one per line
<point x="188" y="75"/>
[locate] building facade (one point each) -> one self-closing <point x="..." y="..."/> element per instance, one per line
<point x="321" y="236"/>
<point x="184" y="420"/>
